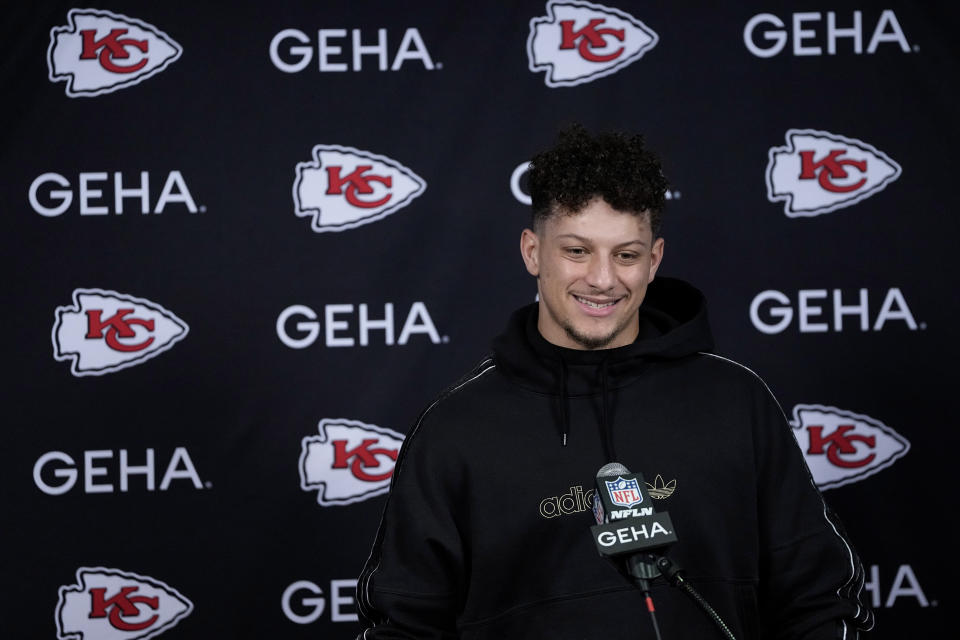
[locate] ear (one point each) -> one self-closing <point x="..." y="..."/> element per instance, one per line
<point x="656" y="257"/>
<point x="530" y="251"/>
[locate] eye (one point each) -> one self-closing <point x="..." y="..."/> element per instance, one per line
<point x="628" y="256"/>
<point x="575" y="252"/>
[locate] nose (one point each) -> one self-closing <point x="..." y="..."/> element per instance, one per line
<point x="600" y="272"/>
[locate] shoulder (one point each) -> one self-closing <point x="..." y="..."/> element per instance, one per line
<point x="453" y="407"/>
<point x="722" y="383"/>
<point x="469" y="380"/>
<point x="714" y="370"/>
<point x="472" y="387"/>
<point x="730" y="369"/>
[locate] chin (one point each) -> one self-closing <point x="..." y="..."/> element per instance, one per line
<point x="590" y="341"/>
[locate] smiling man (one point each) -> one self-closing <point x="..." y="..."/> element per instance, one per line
<point x="486" y="530"/>
<point x="592" y="270"/>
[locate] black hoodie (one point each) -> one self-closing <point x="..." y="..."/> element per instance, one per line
<point x="486" y="530"/>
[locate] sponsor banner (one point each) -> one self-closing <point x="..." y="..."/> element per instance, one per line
<point x="842" y="447"/>
<point x="51" y="194"/>
<point x="350" y="461"/>
<point x="818" y="172"/>
<point x="344" y="188"/>
<point x="304" y="602"/>
<point x="291" y="50"/>
<point x="888" y="587"/>
<point x="110" y="604"/>
<point x="55" y="472"/>
<point x="106" y="331"/>
<point x="100" y="52"/>
<point x="348" y="325"/>
<point x="812" y="33"/>
<point x="822" y="311"/>
<point x="518" y="185"/>
<point x="578" y="42"/>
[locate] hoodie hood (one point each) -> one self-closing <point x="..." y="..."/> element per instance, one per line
<point x="673" y="324"/>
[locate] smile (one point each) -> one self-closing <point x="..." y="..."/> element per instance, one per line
<point x="595" y="305"/>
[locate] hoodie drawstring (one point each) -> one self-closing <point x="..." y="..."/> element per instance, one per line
<point x="606" y="422"/>
<point x="564" y="415"/>
<point x="606" y="413"/>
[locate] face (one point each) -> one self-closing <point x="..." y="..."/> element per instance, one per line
<point x="592" y="271"/>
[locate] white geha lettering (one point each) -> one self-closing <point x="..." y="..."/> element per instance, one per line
<point x="807" y="34"/>
<point x="338" y="325"/>
<point x="308" y="595"/>
<point x="94" y="199"/>
<point x="330" y="45"/>
<point x="814" y="316"/>
<point x="642" y="531"/>
<point x="180" y="467"/>
<point x="607" y="539"/>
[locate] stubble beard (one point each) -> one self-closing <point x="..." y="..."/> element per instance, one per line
<point x="593" y="342"/>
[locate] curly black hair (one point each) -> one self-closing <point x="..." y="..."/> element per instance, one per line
<point x="580" y="167"/>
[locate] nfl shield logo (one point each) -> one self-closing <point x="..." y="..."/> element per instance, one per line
<point x="624" y="493"/>
<point x="598" y="508"/>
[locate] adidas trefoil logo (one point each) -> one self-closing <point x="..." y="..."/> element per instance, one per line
<point x="660" y="490"/>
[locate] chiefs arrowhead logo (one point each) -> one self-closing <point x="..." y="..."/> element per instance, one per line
<point x="344" y="188"/>
<point x="107" y="331"/>
<point x="100" y="52"/>
<point x="842" y="447"/>
<point x="578" y="42"/>
<point x="349" y="461"/>
<point x="109" y="604"/>
<point x="819" y="172"/>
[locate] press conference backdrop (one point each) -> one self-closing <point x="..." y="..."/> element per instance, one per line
<point x="245" y="244"/>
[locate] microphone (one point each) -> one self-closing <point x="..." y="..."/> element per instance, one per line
<point x="629" y="529"/>
<point x="627" y="526"/>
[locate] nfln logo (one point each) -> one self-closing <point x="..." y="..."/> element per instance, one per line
<point x="107" y="331"/>
<point x="842" y="447"/>
<point x="109" y="604"/>
<point x="343" y="188"/>
<point x="819" y="172"/>
<point x="99" y="52"/>
<point x="349" y="461"/>
<point x="578" y="42"/>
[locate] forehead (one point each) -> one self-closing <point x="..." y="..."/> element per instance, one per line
<point x="600" y="222"/>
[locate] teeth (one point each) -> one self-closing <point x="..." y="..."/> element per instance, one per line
<point x="594" y="304"/>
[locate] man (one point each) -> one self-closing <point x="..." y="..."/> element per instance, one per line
<point x="485" y="533"/>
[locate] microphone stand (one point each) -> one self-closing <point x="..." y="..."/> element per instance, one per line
<point x="644" y="567"/>
<point x="642" y="570"/>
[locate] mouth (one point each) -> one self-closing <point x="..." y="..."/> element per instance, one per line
<point x="597" y="307"/>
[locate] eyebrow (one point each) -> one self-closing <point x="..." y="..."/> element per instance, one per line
<point x="579" y="238"/>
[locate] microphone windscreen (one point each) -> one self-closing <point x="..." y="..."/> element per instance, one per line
<point x="612" y="469"/>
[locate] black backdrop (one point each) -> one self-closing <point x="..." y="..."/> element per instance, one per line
<point x="132" y="337"/>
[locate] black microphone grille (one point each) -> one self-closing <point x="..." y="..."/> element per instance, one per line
<point x="612" y="469"/>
